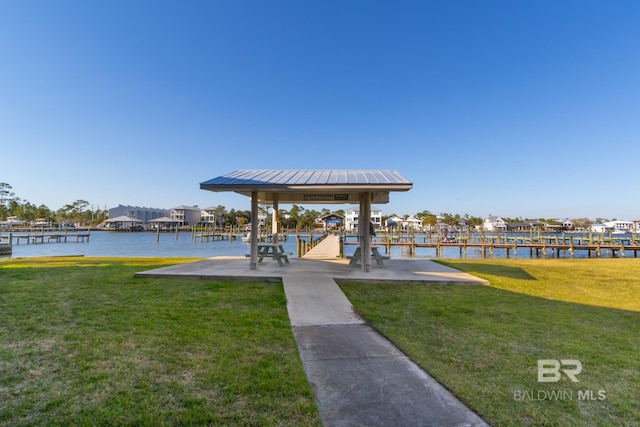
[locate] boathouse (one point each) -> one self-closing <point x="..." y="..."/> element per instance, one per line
<point x="312" y="186"/>
<point x="332" y="221"/>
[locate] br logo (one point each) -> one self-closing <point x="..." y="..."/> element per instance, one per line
<point x="549" y="370"/>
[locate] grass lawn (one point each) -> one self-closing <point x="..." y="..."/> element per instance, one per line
<point x="83" y="342"/>
<point x="483" y="342"/>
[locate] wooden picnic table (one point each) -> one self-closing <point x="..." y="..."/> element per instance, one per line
<point x="272" y="250"/>
<point x="357" y="255"/>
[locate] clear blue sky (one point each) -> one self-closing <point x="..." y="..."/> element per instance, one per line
<point x="511" y="108"/>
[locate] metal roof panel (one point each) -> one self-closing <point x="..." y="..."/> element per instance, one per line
<point x="280" y="179"/>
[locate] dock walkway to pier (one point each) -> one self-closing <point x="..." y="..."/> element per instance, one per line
<point x="327" y="249"/>
<point x="489" y="244"/>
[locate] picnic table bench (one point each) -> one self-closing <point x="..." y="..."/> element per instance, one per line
<point x="357" y="255"/>
<point x="272" y="250"/>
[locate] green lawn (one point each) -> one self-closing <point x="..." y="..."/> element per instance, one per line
<point x="483" y="342"/>
<point x="83" y="342"/>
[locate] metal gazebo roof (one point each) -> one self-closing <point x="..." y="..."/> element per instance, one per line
<point x="311" y="186"/>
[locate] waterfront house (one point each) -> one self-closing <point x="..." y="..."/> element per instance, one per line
<point x="600" y="228"/>
<point x="394" y="222"/>
<point x="212" y="217"/>
<point x="620" y="226"/>
<point x="494" y="223"/>
<point x="351" y="218"/>
<point x="186" y="215"/>
<point x="409" y="223"/>
<point x="412" y="223"/>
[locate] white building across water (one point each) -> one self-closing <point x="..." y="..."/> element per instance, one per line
<point x="136" y="212"/>
<point x="351" y="218"/>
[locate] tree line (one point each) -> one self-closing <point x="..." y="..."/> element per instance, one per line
<point x="76" y="211"/>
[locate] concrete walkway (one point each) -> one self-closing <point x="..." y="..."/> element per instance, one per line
<point x="358" y="377"/>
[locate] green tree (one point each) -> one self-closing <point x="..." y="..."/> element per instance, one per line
<point x="308" y="219"/>
<point x="219" y="215"/>
<point x="583" y="223"/>
<point x="450" y="219"/>
<point x="295" y="214"/>
<point x="14" y="207"/>
<point x="473" y="221"/>
<point x="6" y="195"/>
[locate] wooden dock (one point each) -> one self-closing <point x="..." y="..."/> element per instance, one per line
<point x="210" y="236"/>
<point x="511" y="245"/>
<point x="44" y="237"/>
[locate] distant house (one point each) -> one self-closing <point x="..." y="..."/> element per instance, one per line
<point x="186" y="215"/>
<point x="412" y="223"/>
<point x="208" y="217"/>
<point x="600" y="228"/>
<point x="136" y="212"/>
<point x="518" y="226"/>
<point x="351" y="218"/>
<point x="394" y="222"/>
<point x="622" y="226"/>
<point x="494" y="223"/>
<point x="409" y="223"/>
<point x="567" y="224"/>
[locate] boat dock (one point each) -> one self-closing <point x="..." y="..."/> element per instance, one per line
<point x="45" y="237"/>
<point x="510" y="245"/>
<point x="211" y="236"/>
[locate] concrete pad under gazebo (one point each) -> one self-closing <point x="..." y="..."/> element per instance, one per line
<point x="312" y="186"/>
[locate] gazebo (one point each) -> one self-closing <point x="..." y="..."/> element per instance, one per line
<point x="312" y="186"/>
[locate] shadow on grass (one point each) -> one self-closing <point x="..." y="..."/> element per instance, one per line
<point x="483" y="344"/>
<point x="494" y="270"/>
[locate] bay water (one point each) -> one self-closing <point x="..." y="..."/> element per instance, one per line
<point x="144" y="244"/>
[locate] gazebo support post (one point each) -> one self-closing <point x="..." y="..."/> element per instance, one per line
<point x="274" y="219"/>
<point x="255" y="231"/>
<point x="363" y="226"/>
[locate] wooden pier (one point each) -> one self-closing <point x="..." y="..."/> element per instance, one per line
<point x="211" y="236"/>
<point x="44" y="237"/>
<point x="510" y="245"/>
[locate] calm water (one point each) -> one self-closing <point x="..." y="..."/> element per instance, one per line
<point x="139" y="245"/>
<point x="145" y="245"/>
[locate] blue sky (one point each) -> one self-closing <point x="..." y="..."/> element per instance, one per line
<point x="511" y="108"/>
